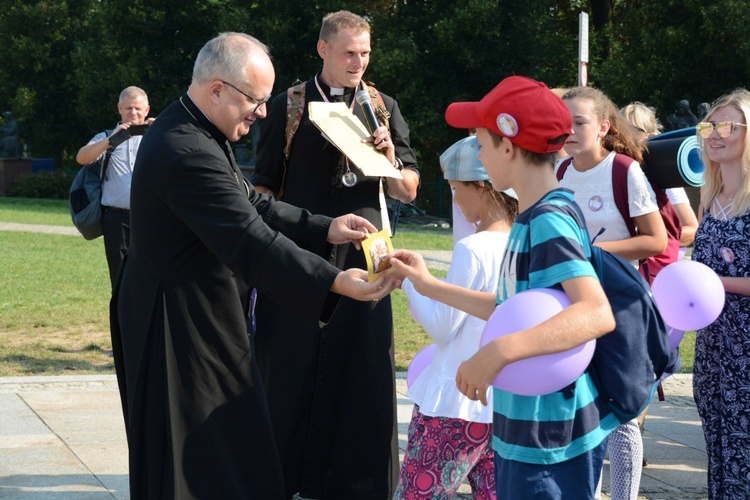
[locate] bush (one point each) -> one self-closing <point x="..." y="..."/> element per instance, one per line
<point x="49" y="185"/>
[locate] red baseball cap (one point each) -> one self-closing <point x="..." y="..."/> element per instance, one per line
<point x="519" y="108"/>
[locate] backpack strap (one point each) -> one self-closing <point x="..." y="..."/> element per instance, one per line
<point x="620" y="188"/>
<point x="107" y="156"/>
<point x="563" y="168"/>
<point x="295" y="108"/>
<point x="620" y="167"/>
<point x="105" y="163"/>
<point x="381" y="112"/>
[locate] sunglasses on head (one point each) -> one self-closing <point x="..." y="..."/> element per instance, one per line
<point x="724" y="129"/>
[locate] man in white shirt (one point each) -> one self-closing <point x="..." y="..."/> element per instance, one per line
<point x="122" y="145"/>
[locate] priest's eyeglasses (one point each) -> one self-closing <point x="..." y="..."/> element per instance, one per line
<point x="250" y="98"/>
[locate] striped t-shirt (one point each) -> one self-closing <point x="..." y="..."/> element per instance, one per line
<point x="548" y="244"/>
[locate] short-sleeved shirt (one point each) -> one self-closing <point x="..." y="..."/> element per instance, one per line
<point x="116" y="185"/>
<point x="595" y="196"/>
<point x="677" y="196"/>
<point x="548" y="244"/>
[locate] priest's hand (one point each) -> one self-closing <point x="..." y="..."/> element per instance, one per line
<point x="349" y="228"/>
<point x="353" y="283"/>
<point x="383" y="143"/>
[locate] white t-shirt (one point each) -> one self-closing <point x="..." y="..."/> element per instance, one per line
<point x="677" y="196"/>
<point x="475" y="265"/>
<point x="593" y="192"/>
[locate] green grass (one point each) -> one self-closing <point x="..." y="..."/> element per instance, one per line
<point x="413" y="239"/>
<point x="687" y="352"/>
<point x="35" y="211"/>
<point x="54" y="297"/>
<point x="409" y="336"/>
<point x="52" y="281"/>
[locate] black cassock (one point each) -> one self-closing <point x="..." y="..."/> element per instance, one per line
<point x="195" y="410"/>
<point x="330" y="389"/>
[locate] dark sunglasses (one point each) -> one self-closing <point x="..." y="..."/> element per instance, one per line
<point x="724" y="129"/>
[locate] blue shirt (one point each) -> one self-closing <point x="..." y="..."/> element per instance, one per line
<point x="548" y="244"/>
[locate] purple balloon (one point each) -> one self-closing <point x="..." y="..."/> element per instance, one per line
<point x="675" y="337"/>
<point x="420" y="361"/>
<point x="540" y="374"/>
<point x="689" y="295"/>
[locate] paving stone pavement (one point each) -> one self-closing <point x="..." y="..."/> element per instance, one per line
<point x="39" y="228"/>
<point x="62" y="437"/>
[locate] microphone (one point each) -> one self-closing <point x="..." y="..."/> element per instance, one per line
<point x="364" y="100"/>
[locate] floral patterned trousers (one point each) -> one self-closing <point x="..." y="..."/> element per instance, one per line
<point x="441" y="453"/>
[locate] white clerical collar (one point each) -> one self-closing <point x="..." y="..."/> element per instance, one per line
<point x="336" y="91"/>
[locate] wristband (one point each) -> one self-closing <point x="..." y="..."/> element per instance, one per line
<point x="398" y="165"/>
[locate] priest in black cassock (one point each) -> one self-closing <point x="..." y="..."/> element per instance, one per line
<point x="195" y="411"/>
<point x="337" y="430"/>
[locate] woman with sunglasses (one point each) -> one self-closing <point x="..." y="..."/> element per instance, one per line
<point x="721" y="373"/>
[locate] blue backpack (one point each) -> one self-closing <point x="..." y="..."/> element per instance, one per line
<point x="85" y="200"/>
<point x="630" y="361"/>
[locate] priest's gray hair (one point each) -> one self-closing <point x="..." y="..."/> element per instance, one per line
<point x="226" y="56"/>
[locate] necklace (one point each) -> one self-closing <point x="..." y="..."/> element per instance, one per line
<point x="349" y="179"/>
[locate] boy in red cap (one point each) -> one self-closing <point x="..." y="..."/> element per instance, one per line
<point x="549" y="446"/>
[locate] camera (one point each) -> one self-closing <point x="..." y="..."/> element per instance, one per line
<point x="124" y="134"/>
<point x="137" y="129"/>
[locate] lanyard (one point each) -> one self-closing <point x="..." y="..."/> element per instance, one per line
<point x="349" y="179"/>
<point x="325" y="97"/>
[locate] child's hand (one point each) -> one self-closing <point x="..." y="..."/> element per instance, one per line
<point x="398" y="275"/>
<point x="476" y="373"/>
<point x="409" y="264"/>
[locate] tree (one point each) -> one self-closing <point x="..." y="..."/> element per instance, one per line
<point x="433" y="52"/>
<point x="158" y="56"/>
<point x="686" y="49"/>
<point x="35" y="78"/>
<point x="65" y="62"/>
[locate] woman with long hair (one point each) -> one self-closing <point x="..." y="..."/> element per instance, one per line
<point x="721" y="375"/>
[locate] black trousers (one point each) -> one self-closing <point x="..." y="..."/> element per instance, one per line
<point x="116" y="229"/>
